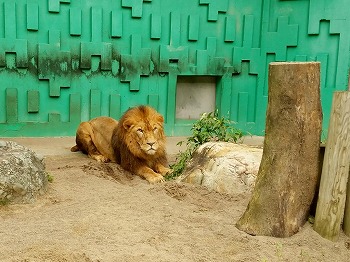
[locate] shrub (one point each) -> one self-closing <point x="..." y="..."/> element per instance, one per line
<point x="210" y="127"/>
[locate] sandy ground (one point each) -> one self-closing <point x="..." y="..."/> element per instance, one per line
<point x="98" y="212"/>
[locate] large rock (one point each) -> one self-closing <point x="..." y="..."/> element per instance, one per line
<point x="224" y="167"/>
<point x="22" y="174"/>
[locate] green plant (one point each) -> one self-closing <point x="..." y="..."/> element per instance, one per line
<point x="49" y="177"/>
<point x="4" y="202"/>
<point x="304" y="256"/>
<point x="210" y="127"/>
<point x="279" y="251"/>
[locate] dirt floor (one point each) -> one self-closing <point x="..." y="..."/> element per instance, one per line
<point x="98" y="212"/>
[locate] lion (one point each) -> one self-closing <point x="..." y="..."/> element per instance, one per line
<point x="136" y="142"/>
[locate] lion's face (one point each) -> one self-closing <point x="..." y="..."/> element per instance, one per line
<point x="144" y="132"/>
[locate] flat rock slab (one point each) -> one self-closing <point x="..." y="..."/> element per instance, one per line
<point x="224" y="167"/>
<point x="22" y="174"/>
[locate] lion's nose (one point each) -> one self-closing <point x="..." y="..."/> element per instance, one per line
<point x="151" y="143"/>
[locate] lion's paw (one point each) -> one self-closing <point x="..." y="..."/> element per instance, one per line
<point x="165" y="171"/>
<point x="156" y="179"/>
<point x="101" y="158"/>
<point x="168" y="171"/>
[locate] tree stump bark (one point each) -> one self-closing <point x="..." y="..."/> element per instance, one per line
<point x="289" y="169"/>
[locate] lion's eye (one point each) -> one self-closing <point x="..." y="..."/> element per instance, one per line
<point x="140" y="130"/>
<point x="155" y="129"/>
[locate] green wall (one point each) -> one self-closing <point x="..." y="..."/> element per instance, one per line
<point x="66" y="61"/>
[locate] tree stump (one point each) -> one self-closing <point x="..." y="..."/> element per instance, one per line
<point x="288" y="172"/>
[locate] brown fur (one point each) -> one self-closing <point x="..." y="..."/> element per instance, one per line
<point x="94" y="138"/>
<point x="137" y="142"/>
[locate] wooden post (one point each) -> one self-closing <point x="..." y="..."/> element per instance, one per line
<point x="346" y="224"/>
<point x="289" y="168"/>
<point x="335" y="171"/>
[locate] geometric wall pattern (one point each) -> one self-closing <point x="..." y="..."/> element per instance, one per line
<point x="66" y="61"/>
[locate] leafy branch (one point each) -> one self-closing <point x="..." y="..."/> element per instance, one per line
<point x="210" y="127"/>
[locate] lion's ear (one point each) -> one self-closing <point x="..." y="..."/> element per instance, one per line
<point x="160" y="119"/>
<point x="127" y="124"/>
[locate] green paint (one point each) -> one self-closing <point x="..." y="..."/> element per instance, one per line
<point x="62" y="61"/>
<point x="95" y="103"/>
<point x="32" y="17"/>
<point x="11" y="105"/>
<point x="116" y="24"/>
<point x="33" y="101"/>
<point x="75" y="22"/>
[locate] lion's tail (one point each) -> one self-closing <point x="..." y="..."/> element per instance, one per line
<point x="75" y="148"/>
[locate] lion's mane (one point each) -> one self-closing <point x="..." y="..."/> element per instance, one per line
<point x="139" y="141"/>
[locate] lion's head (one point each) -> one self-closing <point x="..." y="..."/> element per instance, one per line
<point x="141" y="129"/>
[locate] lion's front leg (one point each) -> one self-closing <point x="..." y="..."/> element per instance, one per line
<point x="151" y="176"/>
<point x="161" y="169"/>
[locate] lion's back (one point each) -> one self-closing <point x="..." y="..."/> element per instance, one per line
<point x="103" y="128"/>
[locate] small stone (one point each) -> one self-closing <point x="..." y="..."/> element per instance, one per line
<point x="18" y="188"/>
